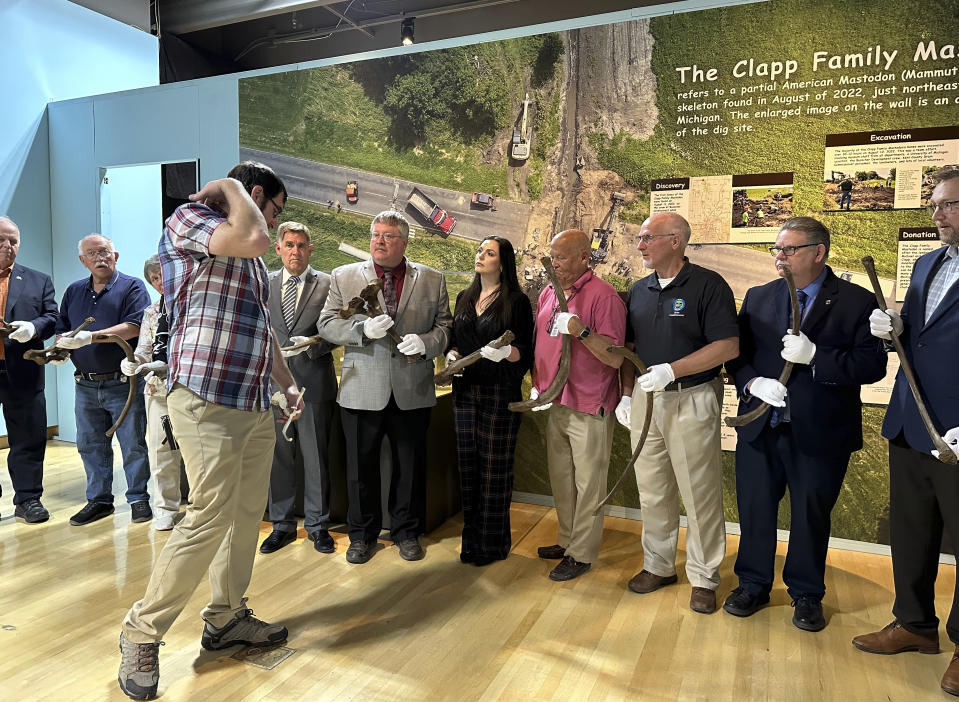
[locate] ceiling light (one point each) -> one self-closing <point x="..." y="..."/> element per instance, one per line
<point x="406" y="31"/>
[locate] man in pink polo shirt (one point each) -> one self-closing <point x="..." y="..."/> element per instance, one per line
<point x="579" y="432"/>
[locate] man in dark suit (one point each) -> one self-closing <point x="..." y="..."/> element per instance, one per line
<point x="923" y="491"/>
<point x="805" y="441"/>
<point x="28" y="305"/>
<point x="297" y="296"/>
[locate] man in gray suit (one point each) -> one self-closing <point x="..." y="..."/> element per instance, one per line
<point x="381" y="392"/>
<point x="297" y="295"/>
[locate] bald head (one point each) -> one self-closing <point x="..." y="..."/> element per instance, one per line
<point x="669" y="223"/>
<point x="9" y="243"/>
<point x="569" y="252"/>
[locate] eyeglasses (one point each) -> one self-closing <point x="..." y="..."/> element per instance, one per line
<point x="945" y="207"/>
<point x="388" y="238"/>
<point x="99" y="253"/>
<point x="277" y="209"/>
<point x="648" y="238"/>
<point x="788" y="251"/>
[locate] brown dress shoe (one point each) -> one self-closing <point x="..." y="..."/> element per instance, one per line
<point x="644" y="582"/>
<point x="895" y="639"/>
<point x="950" y="680"/>
<point x="702" y="600"/>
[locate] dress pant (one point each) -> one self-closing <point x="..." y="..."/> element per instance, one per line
<point x="682" y="456"/>
<point x="25" y="413"/>
<point x="227" y="453"/>
<point x="764" y="469"/>
<point x="923" y="498"/>
<point x="164" y="461"/>
<point x="98" y="404"/>
<point x="310" y="441"/>
<point x="363" y="431"/>
<point x="577" y="452"/>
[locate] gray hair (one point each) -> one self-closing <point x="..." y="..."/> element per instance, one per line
<point x="7" y="220"/>
<point x="88" y="236"/>
<point x="152" y="264"/>
<point x="296" y="228"/>
<point x="815" y="231"/>
<point x="394" y="219"/>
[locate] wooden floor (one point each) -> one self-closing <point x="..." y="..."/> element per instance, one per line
<point x="435" y="629"/>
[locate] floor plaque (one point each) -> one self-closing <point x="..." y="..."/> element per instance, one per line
<point x="264" y="657"/>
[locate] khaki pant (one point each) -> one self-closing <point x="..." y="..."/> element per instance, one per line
<point x="164" y="462"/>
<point x="228" y="454"/>
<point x="577" y="451"/>
<point x="681" y="456"/>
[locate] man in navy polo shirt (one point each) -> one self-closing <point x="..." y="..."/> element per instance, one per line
<point x="117" y="302"/>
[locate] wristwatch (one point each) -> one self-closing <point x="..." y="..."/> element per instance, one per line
<point x="583" y="334"/>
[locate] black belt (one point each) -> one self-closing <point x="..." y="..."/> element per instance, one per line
<point x="678" y="385"/>
<point x="116" y="375"/>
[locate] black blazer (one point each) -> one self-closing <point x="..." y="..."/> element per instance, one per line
<point x="30" y="298"/>
<point x="931" y="348"/>
<point x="824" y="401"/>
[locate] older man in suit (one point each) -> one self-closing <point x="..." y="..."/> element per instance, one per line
<point x="297" y="295"/>
<point x="381" y="391"/>
<point x="30" y="310"/>
<point x="805" y="442"/>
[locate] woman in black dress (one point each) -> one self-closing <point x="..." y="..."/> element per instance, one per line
<point x="485" y="429"/>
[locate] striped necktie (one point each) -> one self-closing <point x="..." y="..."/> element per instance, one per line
<point x="389" y="293"/>
<point x="289" y="300"/>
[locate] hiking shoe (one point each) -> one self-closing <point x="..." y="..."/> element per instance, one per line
<point x="31" y="511"/>
<point x="91" y="512"/>
<point x="245" y="629"/>
<point x="139" y="668"/>
<point x="140" y="511"/>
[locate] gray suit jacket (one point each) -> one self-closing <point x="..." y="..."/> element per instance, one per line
<point x="373" y="368"/>
<point x="313" y="369"/>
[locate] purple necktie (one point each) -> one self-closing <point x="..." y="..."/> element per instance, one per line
<point x="389" y="293"/>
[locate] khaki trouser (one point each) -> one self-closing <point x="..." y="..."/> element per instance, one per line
<point x="577" y="451"/>
<point x="681" y="456"/>
<point x="228" y="454"/>
<point x="164" y="462"/>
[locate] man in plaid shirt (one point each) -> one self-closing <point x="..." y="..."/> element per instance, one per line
<point x="222" y="357"/>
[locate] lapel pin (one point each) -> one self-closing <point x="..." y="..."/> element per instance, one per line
<point x="828" y="302"/>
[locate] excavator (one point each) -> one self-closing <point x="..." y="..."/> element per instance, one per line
<point x="520" y="143"/>
<point x="599" y="246"/>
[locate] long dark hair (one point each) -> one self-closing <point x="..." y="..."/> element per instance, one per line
<point x="508" y="286"/>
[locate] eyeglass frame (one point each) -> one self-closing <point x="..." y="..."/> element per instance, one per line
<point x="277" y="209"/>
<point x="946" y="206"/>
<point x="388" y="238"/>
<point x="775" y="250"/>
<point x="99" y="253"/>
<point x="648" y="238"/>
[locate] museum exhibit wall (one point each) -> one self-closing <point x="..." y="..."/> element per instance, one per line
<point x="54" y="50"/>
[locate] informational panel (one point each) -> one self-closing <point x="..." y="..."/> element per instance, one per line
<point x="913" y="243"/>
<point x="738" y="209"/>
<point x="887" y="170"/>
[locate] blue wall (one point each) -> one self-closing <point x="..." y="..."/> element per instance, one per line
<point x="54" y="50"/>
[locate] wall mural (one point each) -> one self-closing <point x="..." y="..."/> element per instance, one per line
<point x="528" y="136"/>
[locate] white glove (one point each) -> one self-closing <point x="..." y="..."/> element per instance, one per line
<point x="412" y="345"/>
<point x="798" y="349"/>
<point x="152" y="367"/>
<point x="294" y="341"/>
<point x="770" y="391"/>
<point x="562" y="322"/>
<point x="375" y="327"/>
<point x="24" y="331"/>
<point x="129" y="368"/>
<point x="623" y="411"/>
<point x="452" y="355"/>
<point x="82" y="338"/>
<point x="533" y="394"/>
<point x="658" y="377"/>
<point x="881" y="324"/>
<point x="496" y="355"/>
<point x="57" y="363"/>
<point x="951" y="437"/>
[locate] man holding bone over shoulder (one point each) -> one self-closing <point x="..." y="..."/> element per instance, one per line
<point x="923" y="486"/>
<point x="392" y="317"/>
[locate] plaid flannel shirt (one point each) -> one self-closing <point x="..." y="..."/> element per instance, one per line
<point x="220" y="339"/>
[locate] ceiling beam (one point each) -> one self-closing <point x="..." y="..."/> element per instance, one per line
<point x="185" y="16"/>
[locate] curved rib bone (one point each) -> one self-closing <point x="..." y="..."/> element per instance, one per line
<point x="757" y="412"/>
<point x="132" y="382"/>
<point x="53" y="353"/>
<point x="445" y="376"/>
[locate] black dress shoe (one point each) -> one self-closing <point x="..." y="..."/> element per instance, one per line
<point x="277" y="540"/>
<point x="568" y="569"/>
<point x="555" y="551"/>
<point x="322" y="541"/>
<point x="91" y="512"/>
<point x="410" y="549"/>
<point x="741" y="603"/>
<point x="467" y="557"/>
<point x="808" y="614"/>
<point x="32" y="512"/>
<point x="360" y="551"/>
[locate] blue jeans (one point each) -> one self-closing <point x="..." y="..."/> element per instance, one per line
<point x="98" y="404"/>
<point x="845" y="199"/>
